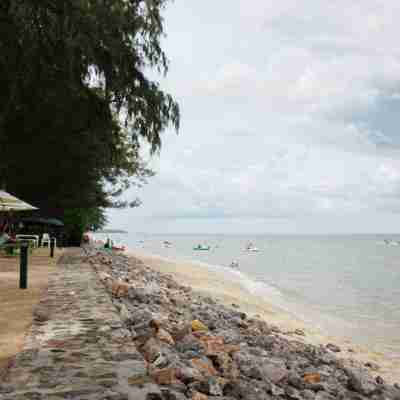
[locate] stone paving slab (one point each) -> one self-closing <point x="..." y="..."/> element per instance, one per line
<point x="77" y="347"/>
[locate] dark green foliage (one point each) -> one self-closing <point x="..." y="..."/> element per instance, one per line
<point x="75" y="101"/>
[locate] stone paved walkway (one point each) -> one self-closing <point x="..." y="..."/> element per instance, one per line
<point x="77" y="348"/>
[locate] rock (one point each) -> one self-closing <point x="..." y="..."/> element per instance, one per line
<point x="132" y="371"/>
<point x="308" y="394"/>
<point x="41" y="315"/>
<point x="178" y="301"/>
<point x="276" y="390"/>
<point x="138" y="379"/>
<point x="312" y="377"/>
<point x="189" y="374"/>
<point x="332" y="347"/>
<point x="249" y="390"/>
<point x="299" y="332"/>
<point x="103" y="276"/>
<point x="178" y="386"/>
<point x="212" y="387"/>
<point x="161" y="361"/>
<point x="213" y="344"/>
<point x="238" y="321"/>
<point x="142" y="333"/>
<point x="372" y="365"/>
<point x="350" y="350"/>
<point x="168" y="394"/>
<point x="231" y="336"/>
<point x="273" y="372"/>
<point x="181" y="331"/>
<point x="231" y="348"/>
<point x="189" y="343"/>
<point x="295" y="380"/>
<point x="204" y="367"/>
<point x="166" y="376"/>
<point x="142" y="317"/>
<point x="120" y="289"/>
<point x="155" y="324"/>
<point x="321" y="395"/>
<point x="264" y="327"/>
<point x="125" y="314"/>
<point x="143" y="294"/>
<point x="360" y="380"/>
<point x="391" y="392"/>
<point x="327" y="358"/>
<point x="265" y="342"/>
<point x="198" y="326"/>
<point x="292" y="393"/>
<point x="151" y="350"/>
<point x="165" y="337"/>
<point x="150" y="395"/>
<point x="226" y="365"/>
<point x="199" y="396"/>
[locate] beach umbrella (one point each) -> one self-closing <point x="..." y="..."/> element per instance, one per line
<point x="42" y="221"/>
<point x="9" y="202"/>
<point x="55" y="222"/>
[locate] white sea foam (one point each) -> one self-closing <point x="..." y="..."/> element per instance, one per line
<point x="251" y="285"/>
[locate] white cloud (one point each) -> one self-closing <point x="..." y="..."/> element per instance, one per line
<point x="285" y="110"/>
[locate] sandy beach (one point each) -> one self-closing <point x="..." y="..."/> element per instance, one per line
<point x="232" y="294"/>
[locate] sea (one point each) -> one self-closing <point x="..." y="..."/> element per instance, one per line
<point x="346" y="286"/>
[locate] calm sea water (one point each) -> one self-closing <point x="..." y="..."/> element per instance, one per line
<point x="349" y="286"/>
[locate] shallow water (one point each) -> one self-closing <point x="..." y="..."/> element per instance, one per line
<point x="348" y="286"/>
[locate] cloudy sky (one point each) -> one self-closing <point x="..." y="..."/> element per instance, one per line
<point x="290" y="115"/>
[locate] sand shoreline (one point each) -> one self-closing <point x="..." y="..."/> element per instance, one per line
<point x="230" y="293"/>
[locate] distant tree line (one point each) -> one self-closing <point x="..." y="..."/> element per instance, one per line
<point x="76" y="102"/>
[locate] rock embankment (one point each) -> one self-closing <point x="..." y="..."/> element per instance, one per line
<point x="112" y="328"/>
<point x="198" y="349"/>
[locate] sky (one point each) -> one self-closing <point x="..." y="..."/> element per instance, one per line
<point x="290" y="116"/>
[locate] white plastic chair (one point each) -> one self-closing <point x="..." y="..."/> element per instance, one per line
<point x="46" y="239"/>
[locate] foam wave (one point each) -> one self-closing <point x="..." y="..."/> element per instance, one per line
<point x="248" y="283"/>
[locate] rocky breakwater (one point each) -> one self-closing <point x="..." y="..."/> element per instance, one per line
<point x="196" y="348"/>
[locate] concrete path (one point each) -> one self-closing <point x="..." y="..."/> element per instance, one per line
<point x="77" y="347"/>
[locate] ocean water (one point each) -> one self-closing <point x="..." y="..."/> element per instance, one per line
<point x="348" y="286"/>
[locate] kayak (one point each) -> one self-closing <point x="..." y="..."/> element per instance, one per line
<point x="201" y="247"/>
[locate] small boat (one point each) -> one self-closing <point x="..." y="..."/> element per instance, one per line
<point x="201" y="247"/>
<point x="390" y="242"/>
<point x="251" y="248"/>
<point x="167" y="244"/>
<point x="118" y="247"/>
<point x="234" y="264"/>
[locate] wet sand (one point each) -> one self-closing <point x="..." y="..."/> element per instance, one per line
<point x="231" y="293"/>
